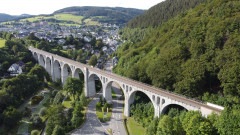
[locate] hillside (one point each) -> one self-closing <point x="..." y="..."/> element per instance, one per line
<point x="195" y="53"/>
<point x="162" y="12"/>
<point x="6" y="17"/>
<point x="116" y="15"/>
<point x="87" y="16"/>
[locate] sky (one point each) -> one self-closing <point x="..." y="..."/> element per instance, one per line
<point x="35" y="7"/>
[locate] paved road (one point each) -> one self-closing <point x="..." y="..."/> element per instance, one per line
<point x="116" y="123"/>
<point x="92" y="126"/>
<point x="108" y="65"/>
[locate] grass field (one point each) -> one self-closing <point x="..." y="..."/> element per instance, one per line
<point x="61" y="17"/>
<point x="90" y="22"/>
<point x="134" y="128"/>
<point x="100" y="115"/>
<point x="23" y="128"/>
<point x="2" y="43"/>
<point x="68" y="102"/>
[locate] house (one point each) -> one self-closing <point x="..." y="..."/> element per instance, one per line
<point x="87" y="39"/>
<point x="114" y="61"/>
<point x="65" y="47"/>
<point x="16" y="68"/>
<point x="104" y="49"/>
<point x="61" y="41"/>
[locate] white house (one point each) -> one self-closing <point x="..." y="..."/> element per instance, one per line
<point x="61" y="41"/>
<point x="87" y="39"/>
<point x="15" y="69"/>
<point x="104" y="49"/>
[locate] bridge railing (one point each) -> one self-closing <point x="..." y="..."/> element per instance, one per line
<point x="159" y="89"/>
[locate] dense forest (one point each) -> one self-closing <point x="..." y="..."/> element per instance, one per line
<point x="116" y="15"/>
<point x="195" y="54"/>
<point x="162" y="12"/>
<point x="15" y="90"/>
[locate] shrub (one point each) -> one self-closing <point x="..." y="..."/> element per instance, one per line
<point x="105" y="106"/>
<point x="36" y="120"/>
<point x="53" y="93"/>
<point x="43" y="111"/>
<point x="35" y="132"/>
<point x="58" y="98"/>
<point x="36" y="100"/>
<point x="58" y="130"/>
<point x="98" y="105"/>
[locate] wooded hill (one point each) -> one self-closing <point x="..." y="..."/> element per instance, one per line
<point x="6" y="17"/>
<point x="162" y="12"/>
<point x="196" y="53"/>
<point x="116" y="15"/>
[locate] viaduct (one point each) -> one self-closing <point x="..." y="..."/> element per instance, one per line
<point x="60" y="68"/>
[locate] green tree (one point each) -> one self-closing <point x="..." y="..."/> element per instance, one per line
<point x="77" y="117"/>
<point x="229" y="121"/>
<point x="4" y="66"/>
<point x="93" y="60"/>
<point x="40" y="72"/>
<point x="83" y="99"/>
<point x="58" y="130"/>
<point x="58" y="98"/>
<point x="56" y="117"/>
<point x="165" y="126"/>
<point x="35" y="132"/>
<point x="15" y="49"/>
<point x="36" y="120"/>
<point x="152" y="128"/>
<point x="11" y="116"/>
<point x="73" y="86"/>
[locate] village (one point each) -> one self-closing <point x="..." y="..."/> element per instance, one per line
<point x="55" y="33"/>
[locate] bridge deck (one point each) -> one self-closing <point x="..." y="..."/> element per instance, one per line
<point x="138" y="84"/>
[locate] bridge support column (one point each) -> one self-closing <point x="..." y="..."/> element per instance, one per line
<point x="107" y="92"/>
<point x="52" y="72"/>
<point x="86" y="82"/>
<point x="126" y="109"/>
<point x="64" y="75"/>
<point x="156" y="111"/>
<point x="128" y="102"/>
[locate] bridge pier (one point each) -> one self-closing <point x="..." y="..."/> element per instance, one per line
<point x="107" y="92"/>
<point x="126" y="109"/>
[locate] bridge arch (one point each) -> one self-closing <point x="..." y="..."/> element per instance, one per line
<point x="35" y="56"/>
<point x="56" y="70"/>
<point x="167" y="106"/>
<point x="41" y="60"/>
<point x="91" y="84"/>
<point x="48" y="65"/>
<point x="132" y="98"/>
<point x="107" y="91"/>
<point x="77" y="73"/>
<point x="66" y="72"/>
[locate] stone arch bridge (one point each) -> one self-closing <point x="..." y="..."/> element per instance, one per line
<point x="60" y="68"/>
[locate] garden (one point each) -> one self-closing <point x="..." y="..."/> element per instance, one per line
<point x="31" y="110"/>
<point x="103" y="110"/>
